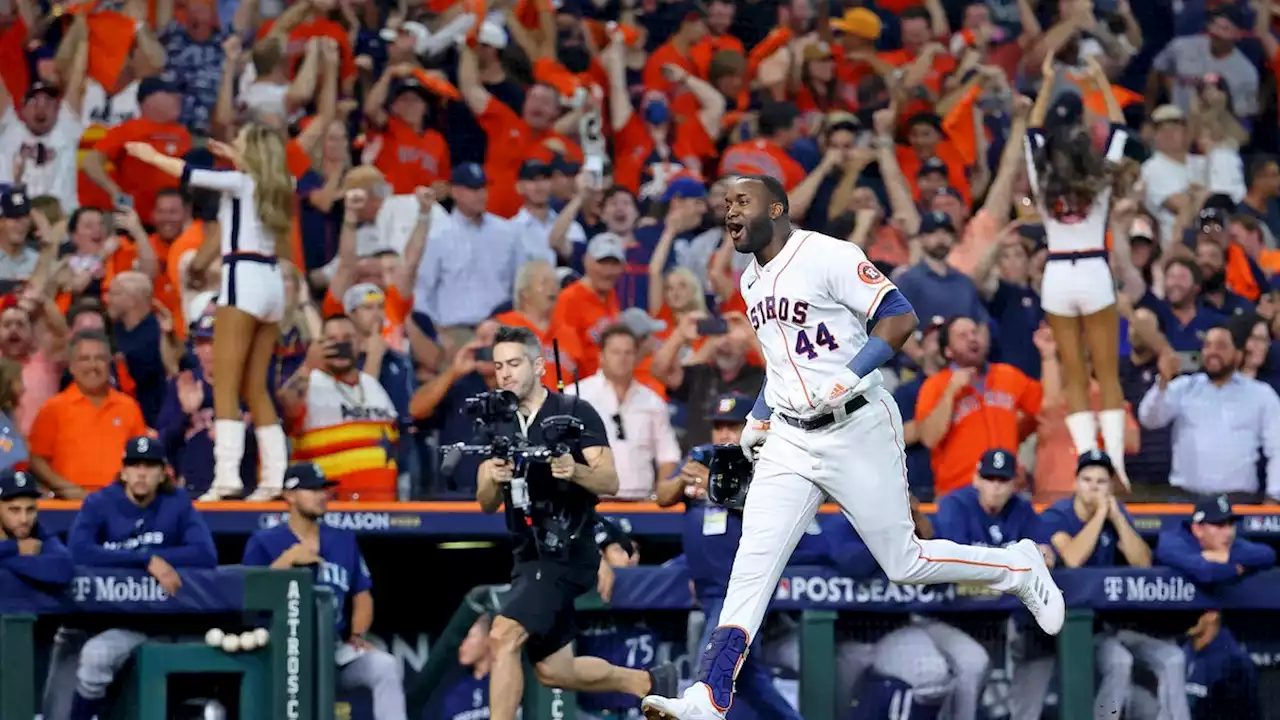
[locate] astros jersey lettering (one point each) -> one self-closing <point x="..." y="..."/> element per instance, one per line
<point x="809" y="306"/>
<point x="350" y="432"/>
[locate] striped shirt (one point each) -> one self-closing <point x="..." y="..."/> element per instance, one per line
<point x="468" y="270"/>
<point x="1219" y="433"/>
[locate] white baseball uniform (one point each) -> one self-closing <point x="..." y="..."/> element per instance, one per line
<point x="1077" y="277"/>
<point x="810" y="307"/>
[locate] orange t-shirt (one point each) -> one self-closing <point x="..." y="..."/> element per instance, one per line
<point x="410" y="159"/>
<point x="666" y="54"/>
<point x="706" y="48"/>
<point x="82" y="441"/>
<point x="634" y="151"/>
<point x="164" y="289"/>
<point x="943" y="66"/>
<point x="581" y="312"/>
<point x="979" y="422"/>
<point x="511" y="142"/>
<point x="570" y="347"/>
<point x="762" y="157"/>
<point x="956" y="178"/>
<point x="138" y="179"/>
<point x="319" y="27"/>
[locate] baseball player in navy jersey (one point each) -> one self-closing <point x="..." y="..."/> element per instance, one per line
<point x="990" y="512"/>
<point x="464" y="693"/>
<point x="139" y="521"/>
<point x="304" y="541"/>
<point x="823" y="425"/>
<point x="1222" y="680"/>
<point x="27" y="550"/>
<point x="1206" y="547"/>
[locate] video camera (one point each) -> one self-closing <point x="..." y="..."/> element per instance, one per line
<point x="495" y="416"/>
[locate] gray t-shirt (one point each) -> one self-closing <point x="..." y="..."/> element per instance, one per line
<point x="19" y="266"/>
<point x="1187" y="59"/>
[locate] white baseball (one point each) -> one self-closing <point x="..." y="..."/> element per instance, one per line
<point x="261" y="636"/>
<point x="248" y="642"/>
<point x="231" y="643"/>
<point x="213" y="638"/>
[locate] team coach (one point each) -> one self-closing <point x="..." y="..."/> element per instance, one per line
<point x="556" y="557"/>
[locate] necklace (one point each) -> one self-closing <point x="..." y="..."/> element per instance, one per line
<point x="355" y="398"/>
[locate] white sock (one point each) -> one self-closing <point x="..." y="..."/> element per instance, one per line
<point x="1112" y="424"/>
<point x="273" y="454"/>
<point x="1084" y="431"/>
<point x="228" y="451"/>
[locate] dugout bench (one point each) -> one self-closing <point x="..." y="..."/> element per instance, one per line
<point x="1087" y="591"/>
<point x="291" y="678"/>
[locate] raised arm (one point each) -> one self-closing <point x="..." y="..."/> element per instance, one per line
<point x="473" y="91"/>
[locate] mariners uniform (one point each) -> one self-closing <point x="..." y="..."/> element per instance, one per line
<point x="632" y="645"/>
<point x="50" y="569"/>
<point x="1077" y="277"/>
<point x="251" y="278"/>
<point x="467" y="698"/>
<point x="344" y="571"/>
<point x="112" y="531"/>
<point x="811" y="305"/>
<point x="1222" y="681"/>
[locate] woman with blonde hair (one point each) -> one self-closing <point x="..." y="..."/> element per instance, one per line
<point x="255" y="215"/>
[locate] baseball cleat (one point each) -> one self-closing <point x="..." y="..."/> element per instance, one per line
<point x="1038" y="591"/>
<point x="664" y="680"/>
<point x="695" y="704"/>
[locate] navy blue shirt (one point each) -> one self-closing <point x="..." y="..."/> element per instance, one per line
<point x="1061" y="517"/>
<point x="945" y="296"/>
<point x="961" y="518"/>
<point x="1179" y="549"/>
<point x="1151" y="464"/>
<point x="1232" y="304"/>
<point x="1271" y="217"/>
<point x="141" y="349"/>
<point x="1187" y="338"/>
<point x="1017" y="314"/>
<point x="343" y="568"/>
<point x="1222" y="680"/>
<point x="50" y="568"/>
<point x="190" y="446"/>
<point x="319" y="228"/>
<point x="845" y="549"/>
<point x="633" y="286"/>
<point x="464" y="697"/>
<point x="456" y="427"/>
<point x="111" y="531"/>
<point x="633" y="646"/>
<point x="919" y="465"/>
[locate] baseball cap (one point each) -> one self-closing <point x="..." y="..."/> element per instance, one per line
<point x="684" y="187"/>
<point x="935" y="221"/>
<point x="492" y="34"/>
<point x="361" y="293"/>
<point x="1066" y="110"/>
<point x="306" y="476"/>
<point x="419" y="32"/>
<point x="607" y="246"/>
<point x="949" y="191"/>
<point x="1214" y="216"/>
<point x="40" y="87"/>
<point x="640" y="322"/>
<point x="732" y="407"/>
<point x="156" y="84"/>
<point x="469" y="175"/>
<point x="14" y="203"/>
<point x="1095" y="458"/>
<point x="409" y="84"/>
<point x="933" y="120"/>
<point x="1213" y="510"/>
<point x="859" y="22"/>
<point x="561" y="164"/>
<point x="142" y="449"/>
<point x="1168" y="113"/>
<point x="932" y="165"/>
<point x="202" y="327"/>
<point x="534" y="169"/>
<point x="998" y="464"/>
<point x="17" y="484"/>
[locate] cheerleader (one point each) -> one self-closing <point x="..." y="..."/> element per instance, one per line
<point x="255" y="216"/>
<point x="1071" y="183"/>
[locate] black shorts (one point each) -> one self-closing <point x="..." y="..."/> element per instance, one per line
<point x="541" y="600"/>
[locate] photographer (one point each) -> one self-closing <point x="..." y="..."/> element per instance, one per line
<point x="550" y="514"/>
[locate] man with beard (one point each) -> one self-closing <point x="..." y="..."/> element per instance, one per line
<point x="1212" y="258"/>
<point x="1223" y="421"/>
<point x="1184" y="318"/>
<point x="41" y="358"/>
<point x="38" y="144"/>
<point x="27" y="550"/>
<point x="933" y="286"/>
<point x="333" y="554"/>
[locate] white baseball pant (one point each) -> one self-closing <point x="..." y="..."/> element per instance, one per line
<point x="860" y="464"/>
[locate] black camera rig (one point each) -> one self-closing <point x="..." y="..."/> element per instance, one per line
<point x="494" y="415"/>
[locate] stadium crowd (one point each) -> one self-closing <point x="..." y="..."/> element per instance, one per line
<point x="561" y="166"/>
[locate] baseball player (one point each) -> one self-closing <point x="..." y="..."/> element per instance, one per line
<point x="1207" y="549"/>
<point x="1222" y="680"/>
<point x="464" y="693"/>
<point x="140" y="521"/>
<point x="304" y="541"/>
<point x="26" y="549"/>
<point x="823" y="425"/>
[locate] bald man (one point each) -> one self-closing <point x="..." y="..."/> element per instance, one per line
<point x="150" y="351"/>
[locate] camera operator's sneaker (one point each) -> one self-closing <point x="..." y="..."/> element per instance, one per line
<point x="664" y="680"/>
<point x="695" y="704"/>
<point x="1038" y="591"/>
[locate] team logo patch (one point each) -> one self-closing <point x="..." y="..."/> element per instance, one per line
<point x="726" y="406"/>
<point x="869" y="273"/>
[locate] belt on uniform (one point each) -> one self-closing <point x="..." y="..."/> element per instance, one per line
<point x="234" y="257"/>
<point x="1074" y="256"/>
<point x="820" y="421"/>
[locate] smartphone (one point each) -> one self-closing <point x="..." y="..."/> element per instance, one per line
<point x="593" y="166"/>
<point x="713" y="326"/>
<point x="484" y="354"/>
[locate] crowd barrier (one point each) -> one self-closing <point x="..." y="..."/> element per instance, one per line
<point x="290" y="678"/>
<point x="464" y="520"/>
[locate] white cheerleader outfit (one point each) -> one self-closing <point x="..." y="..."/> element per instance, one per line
<point x="251" y="277"/>
<point x="1077" y="277"/>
